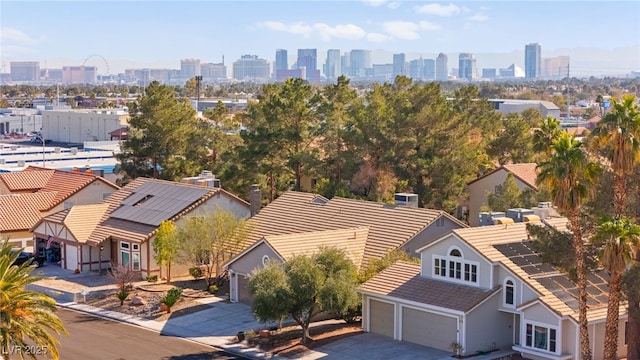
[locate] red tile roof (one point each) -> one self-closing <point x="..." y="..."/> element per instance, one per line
<point x="524" y="172"/>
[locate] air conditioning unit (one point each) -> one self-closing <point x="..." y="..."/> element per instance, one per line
<point x="57" y="150"/>
<point x="2" y="161"/>
<point x="14" y="147"/>
<point x="74" y="150"/>
<point x="406" y="199"/>
<point x="20" y="163"/>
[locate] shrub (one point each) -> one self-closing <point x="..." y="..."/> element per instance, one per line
<point x="152" y="278"/>
<point x="171" y="298"/>
<point x="196" y="272"/>
<point x="122" y="296"/>
<point x="213" y="289"/>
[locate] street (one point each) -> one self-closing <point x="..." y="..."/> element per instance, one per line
<point x="92" y="337"/>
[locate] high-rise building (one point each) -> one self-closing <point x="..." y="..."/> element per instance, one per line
<point x="345" y="63"/>
<point x="429" y="69"/>
<point x="332" y="67"/>
<point x="466" y="66"/>
<point x="212" y="72"/>
<point x="532" y="61"/>
<point x="189" y="68"/>
<point x="416" y="69"/>
<point x="79" y="74"/>
<point x="25" y="70"/>
<point x="282" y="60"/>
<point x="251" y="68"/>
<point x="360" y="64"/>
<point x="555" y="68"/>
<point x="442" y="69"/>
<point x="308" y="59"/>
<point x="399" y="65"/>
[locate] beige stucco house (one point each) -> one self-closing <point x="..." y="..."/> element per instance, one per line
<point x="295" y="215"/>
<point x="122" y="228"/>
<point x="490" y="183"/>
<point x="29" y="195"/>
<point x="485" y="288"/>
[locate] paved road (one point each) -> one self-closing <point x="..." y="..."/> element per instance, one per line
<point x="91" y="337"/>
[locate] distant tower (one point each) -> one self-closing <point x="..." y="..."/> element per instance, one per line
<point x="466" y="66"/>
<point x="281" y="60"/>
<point x="399" y="65"/>
<point x="442" y="70"/>
<point x="332" y="67"/>
<point x="532" y="61"/>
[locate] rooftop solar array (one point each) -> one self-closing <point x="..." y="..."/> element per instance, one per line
<point x="153" y="202"/>
<point x="523" y="255"/>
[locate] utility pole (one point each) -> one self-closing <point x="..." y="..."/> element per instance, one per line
<point x="198" y="80"/>
<point x="568" y="103"/>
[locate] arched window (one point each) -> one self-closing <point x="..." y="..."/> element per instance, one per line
<point x="265" y="258"/>
<point x="509" y="293"/>
<point x="455" y="252"/>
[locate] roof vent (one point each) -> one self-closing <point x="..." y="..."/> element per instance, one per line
<point x="2" y="161"/>
<point x="74" y="150"/>
<point x="20" y="163"/>
<point x="57" y="150"/>
<point x="406" y="199"/>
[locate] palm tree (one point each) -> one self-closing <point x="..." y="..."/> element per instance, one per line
<point x="570" y="177"/>
<point x="26" y="316"/>
<point x="618" y="134"/>
<point x="617" y="235"/>
<point x="544" y="135"/>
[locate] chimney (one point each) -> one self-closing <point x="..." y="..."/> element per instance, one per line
<point x="255" y="199"/>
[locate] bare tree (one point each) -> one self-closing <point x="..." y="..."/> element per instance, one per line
<point x="124" y="277"/>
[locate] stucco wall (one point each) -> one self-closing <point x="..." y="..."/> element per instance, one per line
<point x="540" y="314"/>
<point x="253" y="259"/>
<point x="487" y="328"/>
<point x="429" y="234"/>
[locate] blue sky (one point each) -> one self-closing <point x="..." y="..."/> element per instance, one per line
<point x="160" y="33"/>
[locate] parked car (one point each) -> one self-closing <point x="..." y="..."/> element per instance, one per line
<point x="38" y="139"/>
<point x="26" y="256"/>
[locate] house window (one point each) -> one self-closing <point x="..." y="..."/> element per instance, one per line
<point x="136" y="261"/>
<point x="497" y="190"/>
<point x="124" y="245"/>
<point x="265" y="259"/>
<point x="455" y="267"/>
<point x="509" y="293"/>
<point x="136" y="247"/>
<point x="541" y="338"/>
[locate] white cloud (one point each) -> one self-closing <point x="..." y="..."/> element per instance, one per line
<point x="325" y="31"/>
<point x="11" y="35"/>
<point x="478" y="17"/>
<point x="439" y="9"/>
<point x="377" y="37"/>
<point x="345" y="31"/>
<point x="374" y="3"/>
<point x="393" y="5"/>
<point x="406" y="30"/>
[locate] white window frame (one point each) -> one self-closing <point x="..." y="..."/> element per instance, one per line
<point x="135" y="247"/>
<point x="549" y="328"/>
<point x="265" y="258"/>
<point x="505" y="303"/>
<point x="135" y="265"/>
<point x="125" y="245"/>
<point x="456" y="268"/>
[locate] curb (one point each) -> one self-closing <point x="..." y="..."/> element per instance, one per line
<point x="132" y="321"/>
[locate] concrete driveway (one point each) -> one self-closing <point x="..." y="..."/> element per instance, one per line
<point x="372" y="347"/>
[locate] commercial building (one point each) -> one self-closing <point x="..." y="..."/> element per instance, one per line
<point x="213" y="72"/>
<point x="399" y="65"/>
<point x="282" y="61"/>
<point x="189" y="68"/>
<point x="25" y="70"/>
<point x="79" y="74"/>
<point x="360" y="63"/>
<point x="308" y="59"/>
<point x="429" y="69"/>
<point x="78" y="126"/>
<point x="442" y="70"/>
<point x="532" y="61"/>
<point x="555" y="68"/>
<point x="333" y="65"/>
<point x="416" y="69"/>
<point x="466" y="66"/>
<point x="251" y="68"/>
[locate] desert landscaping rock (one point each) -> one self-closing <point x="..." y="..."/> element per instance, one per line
<point x="137" y="301"/>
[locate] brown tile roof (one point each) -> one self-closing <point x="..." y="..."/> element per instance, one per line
<point x="555" y="289"/>
<point x="20" y="212"/>
<point x="389" y="226"/>
<point x="402" y="280"/>
<point x="524" y="172"/>
<point x="41" y="180"/>
<point x="352" y="240"/>
<point x="81" y="220"/>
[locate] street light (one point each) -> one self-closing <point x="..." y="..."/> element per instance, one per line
<point x="198" y="80"/>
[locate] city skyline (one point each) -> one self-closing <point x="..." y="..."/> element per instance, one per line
<point x="131" y="35"/>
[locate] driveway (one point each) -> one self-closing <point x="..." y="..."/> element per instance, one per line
<point x="372" y="347"/>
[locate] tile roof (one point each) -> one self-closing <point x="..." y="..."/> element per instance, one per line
<point x="19" y="212"/>
<point x="389" y="226"/>
<point x="352" y="240"/>
<point x="81" y="220"/>
<point x="134" y="224"/>
<point x="402" y="280"/>
<point x="525" y="172"/>
<point x="509" y="245"/>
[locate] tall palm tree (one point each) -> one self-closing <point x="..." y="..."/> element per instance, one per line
<point x="544" y="135"/>
<point x="617" y="236"/>
<point x="618" y="134"/>
<point x="27" y="317"/>
<point x="570" y="177"/>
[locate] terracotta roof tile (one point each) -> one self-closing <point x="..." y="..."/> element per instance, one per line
<point x="22" y="211"/>
<point x="81" y="220"/>
<point x="402" y="280"/>
<point x="352" y="240"/>
<point x="525" y="172"/>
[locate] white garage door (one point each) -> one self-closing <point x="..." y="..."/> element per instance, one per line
<point x="428" y="329"/>
<point x="381" y="318"/>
